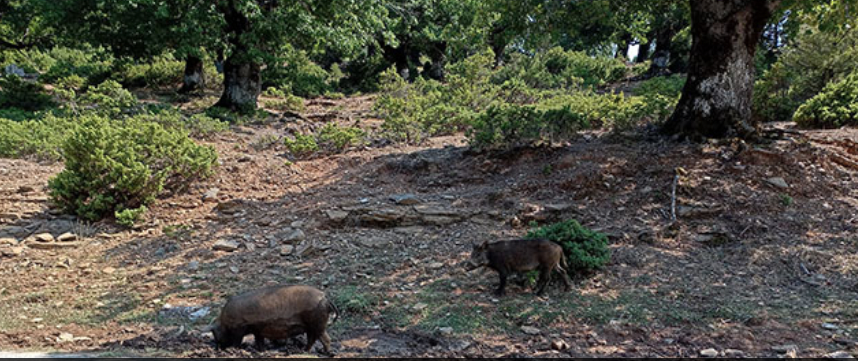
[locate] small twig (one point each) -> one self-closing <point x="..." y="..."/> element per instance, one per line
<point x="803" y="268"/>
<point x="673" y="198"/>
<point x="743" y="231"/>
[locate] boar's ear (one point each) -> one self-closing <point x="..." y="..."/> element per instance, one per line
<point x="483" y="245"/>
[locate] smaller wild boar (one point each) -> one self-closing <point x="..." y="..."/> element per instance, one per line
<point x="521" y="255"/>
<point x="275" y="313"/>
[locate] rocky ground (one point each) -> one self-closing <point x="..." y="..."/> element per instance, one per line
<point x="761" y="261"/>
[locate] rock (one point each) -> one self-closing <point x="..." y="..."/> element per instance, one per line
<point x="734" y="353"/>
<point x="384" y="216"/>
<point x="108" y="270"/>
<point x="405" y="199"/>
<point x="225" y="245"/>
<point x="559" y="345"/>
<point x="460" y="345"/>
<point x="412" y="230"/>
<point x="336" y="215"/>
<point x="37" y="320"/>
<point x="233" y="269"/>
<point x="211" y="195"/>
<point x="202" y="312"/>
<point x="778" y="182"/>
<point x="9" y="241"/>
<point x="529" y="330"/>
<point x="286" y="250"/>
<point x="12" y="252"/>
<point x="294" y="236"/>
<point x="13" y="69"/>
<point x="446" y="331"/>
<point x="54" y="245"/>
<point x="26" y="189"/>
<point x="830" y="326"/>
<point x="44" y="237"/>
<point x="67" y="237"/>
<point x="839" y="354"/>
<point x="439" y="220"/>
<point x="297" y="224"/>
<point x="784" y="348"/>
<point x="432" y="209"/>
<point x="193" y="265"/>
<point x="436" y="265"/>
<point x="419" y="307"/>
<point x="561" y="207"/>
<point x="229" y="207"/>
<point x="65" y="337"/>
<point x="709" y="352"/>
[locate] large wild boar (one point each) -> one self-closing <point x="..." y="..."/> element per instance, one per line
<point x="275" y="313"/>
<point x="521" y="255"/>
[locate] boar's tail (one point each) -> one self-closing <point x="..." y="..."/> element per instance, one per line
<point x="332" y="307"/>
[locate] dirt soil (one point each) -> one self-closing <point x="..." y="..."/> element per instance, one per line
<point x="761" y="261"/>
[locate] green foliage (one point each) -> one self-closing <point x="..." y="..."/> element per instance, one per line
<point x="18" y="93"/>
<point x="119" y="165"/>
<point x="585" y="249"/>
<point x="294" y="71"/>
<point x="127" y="217"/>
<point x="197" y="125"/>
<point x="834" y="107"/>
<point x="557" y="68"/>
<point x="302" y="145"/>
<point x="815" y="60"/>
<point x="108" y="98"/>
<point x="287" y="102"/>
<point x="93" y="64"/>
<point x="41" y="138"/>
<point x="337" y="138"/>
<point x="660" y="95"/>
<point x="157" y="72"/>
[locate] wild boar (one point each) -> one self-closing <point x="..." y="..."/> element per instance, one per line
<point x="521" y="255"/>
<point x="275" y="313"/>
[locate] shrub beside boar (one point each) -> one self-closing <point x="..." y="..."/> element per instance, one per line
<point x="275" y="313"/>
<point x="521" y="255"/>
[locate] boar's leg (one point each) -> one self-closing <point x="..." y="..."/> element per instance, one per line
<point x="544" y="279"/>
<point x="326" y="343"/>
<point x="502" y="286"/>
<point x="312" y="336"/>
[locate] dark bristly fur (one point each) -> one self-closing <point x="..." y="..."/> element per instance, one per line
<point x="275" y="313"/>
<point x="521" y="255"/>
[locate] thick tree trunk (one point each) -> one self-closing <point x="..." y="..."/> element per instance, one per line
<point x="662" y="56"/>
<point x="241" y="84"/>
<point x="194" y="77"/>
<point x="241" y="75"/>
<point x="716" y="100"/>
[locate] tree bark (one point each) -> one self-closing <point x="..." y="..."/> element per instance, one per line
<point x="242" y="82"/>
<point x="716" y="100"/>
<point x="662" y="56"/>
<point x="194" y="77"/>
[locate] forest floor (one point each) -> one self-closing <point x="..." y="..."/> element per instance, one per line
<point x="762" y="260"/>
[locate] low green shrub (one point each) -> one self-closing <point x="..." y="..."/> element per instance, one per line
<point x="337" y="138"/>
<point x="108" y="98"/>
<point x="128" y="217"/>
<point x="288" y="102"/>
<point x="302" y="145"/>
<point x="660" y="95"/>
<point x="160" y="71"/>
<point x="834" y="107"/>
<point x="561" y="69"/>
<point x="21" y="94"/>
<point x="41" y="138"/>
<point x="196" y="125"/>
<point x="119" y="165"/>
<point x="585" y="249"/>
<point x="93" y="64"/>
<point x="293" y="71"/>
